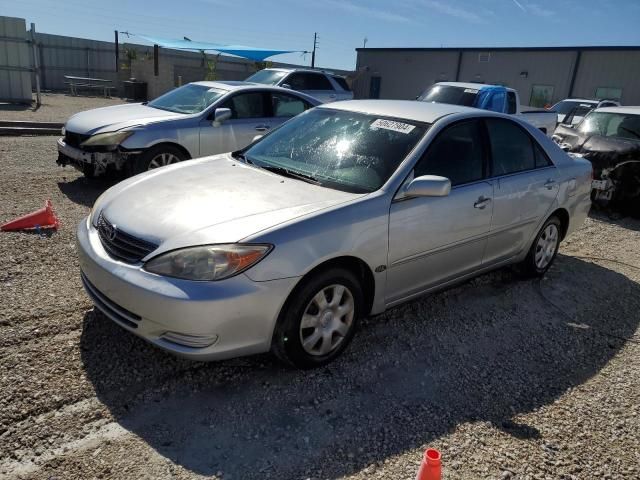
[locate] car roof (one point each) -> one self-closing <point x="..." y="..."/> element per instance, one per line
<point x="405" y="109"/>
<point x="228" y="85"/>
<point x="309" y="70"/>
<point x="625" y="110"/>
<point x="580" y="100"/>
<point x="475" y="86"/>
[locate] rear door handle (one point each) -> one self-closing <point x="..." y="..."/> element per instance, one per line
<point x="481" y="203"/>
<point x="549" y="183"/>
<point x="262" y="128"/>
<point x="333" y="95"/>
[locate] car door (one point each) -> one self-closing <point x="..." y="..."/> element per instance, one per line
<point x="250" y="116"/>
<point x="285" y="106"/>
<point x="315" y="84"/>
<point x="525" y="185"/>
<point x="436" y="239"/>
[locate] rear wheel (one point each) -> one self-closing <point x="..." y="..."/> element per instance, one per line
<point x="319" y="319"/>
<point x="544" y="249"/>
<point x="157" y="157"/>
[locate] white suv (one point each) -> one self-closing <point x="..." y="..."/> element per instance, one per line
<point x="324" y="86"/>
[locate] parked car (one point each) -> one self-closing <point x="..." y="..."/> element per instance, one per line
<point x="577" y="108"/>
<point x="346" y="210"/>
<point x="197" y="119"/>
<point x="489" y="97"/>
<point x="324" y="86"/>
<point x="610" y="139"/>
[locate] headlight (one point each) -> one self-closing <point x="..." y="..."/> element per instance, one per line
<point x="208" y="262"/>
<point x="106" y="139"/>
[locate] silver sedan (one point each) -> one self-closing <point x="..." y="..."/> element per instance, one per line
<point x="344" y="211"/>
<point x="195" y="120"/>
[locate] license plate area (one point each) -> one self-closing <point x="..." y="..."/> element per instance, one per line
<point x="599" y="184"/>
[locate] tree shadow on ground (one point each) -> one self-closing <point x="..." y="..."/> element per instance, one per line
<point x="85" y="191"/>
<point x="628" y="220"/>
<point x="18" y="107"/>
<point x="486" y="350"/>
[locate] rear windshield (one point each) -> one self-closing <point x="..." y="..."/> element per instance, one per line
<point x="566" y="106"/>
<point x="342" y="82"/>
<point x="266" y="77"/>
<point x="449" y="94"/>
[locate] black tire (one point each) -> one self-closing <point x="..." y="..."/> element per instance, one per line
<point x="529" y="267"/>
<point x="144" y="161"/>
<point x="287" y="342"/>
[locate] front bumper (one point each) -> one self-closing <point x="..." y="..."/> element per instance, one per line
<point x="68" y="155"/>
<point x="237" y="314"/>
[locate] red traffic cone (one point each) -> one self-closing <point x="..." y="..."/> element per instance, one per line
<point x="43" y="218"/>
<point x="430" y="468"/>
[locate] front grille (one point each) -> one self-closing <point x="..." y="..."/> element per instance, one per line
<point x="74" y="139"/>
<point x="120" y="245"/>
<point x="111" y="309"/>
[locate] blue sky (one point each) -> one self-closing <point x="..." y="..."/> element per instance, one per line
<point x="342" y="25"/>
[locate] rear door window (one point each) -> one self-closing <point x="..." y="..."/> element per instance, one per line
<point x="512" y="106"/>
<point x="342" y="82"/>
<point x="511" y="147"/>
<point x="287" y="105"/>
<point x="308" y="81"/>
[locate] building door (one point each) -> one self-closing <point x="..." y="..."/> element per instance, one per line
<point x="374" y="87"/>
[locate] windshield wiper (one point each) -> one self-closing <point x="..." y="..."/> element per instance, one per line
<point x="291" y="174"/>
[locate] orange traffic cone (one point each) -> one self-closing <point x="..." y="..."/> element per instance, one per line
<point x="43" y="218"/>
<point x="430" y="468"/>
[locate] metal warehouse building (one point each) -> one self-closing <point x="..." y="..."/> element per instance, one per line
<point x="541" y="75"/>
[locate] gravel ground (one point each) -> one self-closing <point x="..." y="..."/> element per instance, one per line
<point x="56" y="107"/>
<point x="508" y="378"/>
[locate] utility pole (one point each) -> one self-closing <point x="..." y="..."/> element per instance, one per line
<point x="313" y="54"/>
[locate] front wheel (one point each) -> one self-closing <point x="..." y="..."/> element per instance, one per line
<point x="319" y="319"/>
<point x="544" y="249"/>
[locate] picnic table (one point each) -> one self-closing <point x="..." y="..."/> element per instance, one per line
<point x="76" y="83"/>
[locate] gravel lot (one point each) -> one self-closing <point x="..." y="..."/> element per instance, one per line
<point x="56" y="107"/>
<point x="508" y="378"/>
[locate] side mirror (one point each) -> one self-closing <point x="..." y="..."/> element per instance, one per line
<point x="428" y="186"/>
<point x="220" y="115"/>
<point x="286" y="85"/>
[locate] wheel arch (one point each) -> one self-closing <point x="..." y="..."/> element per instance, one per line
<point x="175" y="145"/>
<point x="563" y="216"/>
<point x="351" y="263"/>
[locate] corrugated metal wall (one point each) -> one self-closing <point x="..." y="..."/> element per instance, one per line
<point x="15" y="61"/>
<point x="403" y="73"/>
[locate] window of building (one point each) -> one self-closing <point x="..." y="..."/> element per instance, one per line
<point x="541" y="96"/>
<point x="609" y="93"/>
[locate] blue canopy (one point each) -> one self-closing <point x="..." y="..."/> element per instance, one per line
<point x="257" y="54"/>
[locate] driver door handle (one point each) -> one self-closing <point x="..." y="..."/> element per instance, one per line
<point x="549" y="183"/>
<point x="262" y="128"/>
<point x="482" y="202"/>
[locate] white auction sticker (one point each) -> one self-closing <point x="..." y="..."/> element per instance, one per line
<point x="470" y="90"/>
<point x="392" y="125"/>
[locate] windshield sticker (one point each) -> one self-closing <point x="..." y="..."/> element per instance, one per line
<point x="470" y="90"/>
<point x="394" y="126"/>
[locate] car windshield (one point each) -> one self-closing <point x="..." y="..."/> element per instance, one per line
<point x="449" y="94"/>
<point x="267" y="77"/>
<point x="343" y="150"/>
<point x="190" y="98"/>
<point x="566" y="106"/>
<point x="620" y="125"/>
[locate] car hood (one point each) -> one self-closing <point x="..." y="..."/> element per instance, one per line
<point x="117" y="117"/>
<point x="210" y="200"/>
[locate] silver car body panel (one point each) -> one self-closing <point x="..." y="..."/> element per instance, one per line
<point x="398" y="239"/>
<point x="195" y="132"/>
